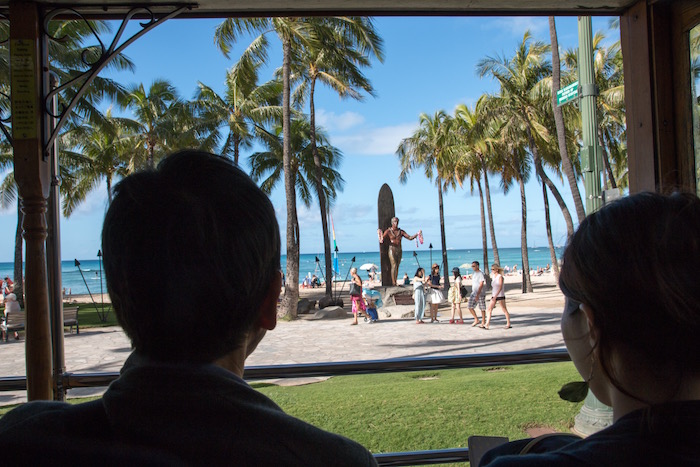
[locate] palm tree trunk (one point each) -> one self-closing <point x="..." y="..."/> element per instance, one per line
<point x="566" y="165"/>
<point x="108" y="180"/>
<point x="539" y="170"/>
<point x="19" y="261"/>
<point x="527" y="283"/>
<point x="484" y="243"/>
<point x="446" y="267"/>
<point x="487" y="191"/>
<point x="236" y="149"/>
<point x="548" y="225"/>
<point x="606" y="160"/>
<point x="150" y="154"/>
<point x="291" y="290"/>
<point x="319" y="190"/>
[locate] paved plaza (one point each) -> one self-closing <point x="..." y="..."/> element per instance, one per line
<point x="535" y="319"/>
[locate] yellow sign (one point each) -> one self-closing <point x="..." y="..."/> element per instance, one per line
<point x="23" y="75"/>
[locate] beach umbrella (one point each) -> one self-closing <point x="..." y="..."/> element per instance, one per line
<point x="369" y="267"/>
<point x="466" y="266"/>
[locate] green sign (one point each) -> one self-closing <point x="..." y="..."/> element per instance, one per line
<point x="567" y="93"/>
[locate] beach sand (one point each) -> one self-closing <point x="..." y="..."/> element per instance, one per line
<point x="513" y="288"/>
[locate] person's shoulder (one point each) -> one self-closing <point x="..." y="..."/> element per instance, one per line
<point x="45" y="416"/>
<point x="328" y="448"/>
<point x="301" y="443"/>
<point x="31" y="415"/>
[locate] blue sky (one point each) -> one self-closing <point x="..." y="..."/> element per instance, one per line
<point x="430" y="65"/>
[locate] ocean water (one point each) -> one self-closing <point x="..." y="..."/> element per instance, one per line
<point x="537" y="257"/>
<point x="88" y="278"/>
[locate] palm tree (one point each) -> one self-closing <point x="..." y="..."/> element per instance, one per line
<point x="243" y="105"/>
<point x="523" y="84"/>
<point x="609" y="79"/>
<point x="68" y="57"/>
<point x="515" y="167"/>
<point x="566" y="164"/>
<point x="105" y="150"/>
<point x="431" y="147"/>
<point x="268" y="166"/>
<point x="336" y="61"/>
<point x="9" y="196"/>
<point x="165" y="122"/>
<point x="294" y="33"/>
<point x="478" y="135"/>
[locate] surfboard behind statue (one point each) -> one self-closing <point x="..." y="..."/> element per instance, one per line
<point x="385" y="211"/>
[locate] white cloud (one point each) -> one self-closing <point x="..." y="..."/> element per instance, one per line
<point x="374" y="142"/>
<point x="338" y="122"/>
<point x="517" y="25"/>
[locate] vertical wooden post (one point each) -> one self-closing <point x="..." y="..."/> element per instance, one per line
<point x="636" y="44"/>
<point x="32" y="174"/>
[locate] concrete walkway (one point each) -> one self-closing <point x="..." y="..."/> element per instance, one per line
<point x="535" y="319"/>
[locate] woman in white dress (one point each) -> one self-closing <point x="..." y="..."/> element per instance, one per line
<point x="454" y="296"/>
<point x="435" y="297"/>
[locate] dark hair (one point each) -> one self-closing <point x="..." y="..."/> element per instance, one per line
<point x="419" y="270"/>
<point x="190" y="249"/>
<point x="476" y="262"/>
<point x="455" y="271"/>
<point x="632" y="263"/>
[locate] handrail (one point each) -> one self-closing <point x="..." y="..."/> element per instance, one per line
<point x="433" y="456"/>
<point x="323" y="369"/>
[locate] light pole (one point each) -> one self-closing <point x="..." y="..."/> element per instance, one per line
<point x="594" y="415"/>
<point x="430" y="247"/>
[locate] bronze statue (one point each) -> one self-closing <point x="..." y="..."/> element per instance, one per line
<point x="394" y="234"/>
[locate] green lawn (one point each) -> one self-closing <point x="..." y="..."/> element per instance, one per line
<point x="436" y="409"/>
<point x="88" y="316"/>
<point x="432" y="410"/>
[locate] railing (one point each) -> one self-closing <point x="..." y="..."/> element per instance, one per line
<point x="305" y="370"/>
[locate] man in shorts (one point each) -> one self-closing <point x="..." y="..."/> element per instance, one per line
<point x="478" y="293"/>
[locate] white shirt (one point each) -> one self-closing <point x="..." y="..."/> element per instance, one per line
<point x="477" y="279"/>
<point x="498" y="284"/>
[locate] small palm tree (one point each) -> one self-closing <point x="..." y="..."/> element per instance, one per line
<point x="431" y="147"/>
<point x="515" y="167"/>
<point x="477" y="135"/>
<point x="244" y="105"/>
<point x="165" y="122"/>
<point x="267" y="167"/>
<point x="102" y="151"/>
<point x="610" y="105"/>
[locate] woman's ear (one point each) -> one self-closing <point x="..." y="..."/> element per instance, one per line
<point x="592" y="330"/>
<point x="267" y="314"/>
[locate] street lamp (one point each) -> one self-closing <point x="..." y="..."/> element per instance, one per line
<point x="430" y="247"/>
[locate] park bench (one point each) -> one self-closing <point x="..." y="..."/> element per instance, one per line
<point x="15" y="321"/>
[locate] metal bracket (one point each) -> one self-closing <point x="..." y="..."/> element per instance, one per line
<point x="588" y="90"/>
<point x="84" y="79"/>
